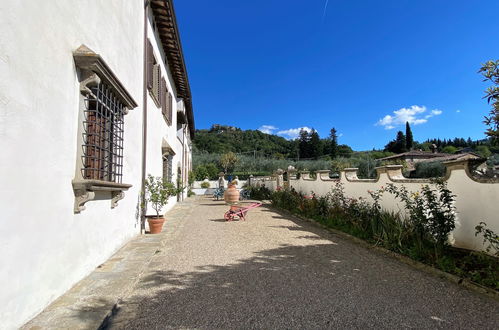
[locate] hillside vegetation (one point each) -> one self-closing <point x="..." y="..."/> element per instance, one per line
<point x="221" y="139"/>
<point x="258" y="153"/>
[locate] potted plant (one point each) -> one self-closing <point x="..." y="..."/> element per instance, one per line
<point x="157" y="194"/>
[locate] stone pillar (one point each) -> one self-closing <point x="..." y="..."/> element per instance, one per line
<point x="279" y="178"/>
<point x="221" y="180"/>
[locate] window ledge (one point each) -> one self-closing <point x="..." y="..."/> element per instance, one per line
<point x="85" y="190"/>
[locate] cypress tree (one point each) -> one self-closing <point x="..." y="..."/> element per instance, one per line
<point x="314" y="144"/>
<point x="333" y="148"/>
<point x="303" y="144"/>
<point x="409" y="140"/>
<point x="400" y="143"/>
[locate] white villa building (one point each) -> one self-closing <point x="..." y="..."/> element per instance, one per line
<point x="94" y="95"/>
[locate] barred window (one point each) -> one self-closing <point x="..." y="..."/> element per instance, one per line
<point x="103" y="135"/>
<point x="167" y="167"/>
<point x="104" y="102"/>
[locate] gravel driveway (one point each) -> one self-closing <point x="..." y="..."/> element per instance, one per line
<point x="273" y="271"/>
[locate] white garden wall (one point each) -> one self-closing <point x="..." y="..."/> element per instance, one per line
<point x="476" y="199"/>
<point x="213" y="185"/>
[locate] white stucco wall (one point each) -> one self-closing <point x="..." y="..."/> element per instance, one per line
<point x="45" y="247"/>
<point x="475" y="201"/>
<point x="214" y="184"/>
<point x="159" y="132"/>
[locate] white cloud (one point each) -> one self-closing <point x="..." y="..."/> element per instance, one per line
<point x="268" y="129"/>
<point x="433" y="113"/>
<point x="293" y="133"/>
<point x="413" y="115"/>
<point x="458" y="111"/>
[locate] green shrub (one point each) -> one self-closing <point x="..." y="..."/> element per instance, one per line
<point x="192" y="178"/>
<point x="205" y="185"/>
<point x="449" y="149"/>
<point x="259" y="193"/>
<point x="489" y="237"/>
<point x="428" y="170"/>
<point x="483" y="151"/>
<point x="431" y="212"/>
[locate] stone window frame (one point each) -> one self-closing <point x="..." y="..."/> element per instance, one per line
<point x="92" y="70"/>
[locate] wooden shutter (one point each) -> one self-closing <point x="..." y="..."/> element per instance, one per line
<point x="156" y="84"/>
<point x="150" y="65"/>
<point x="163" y="96"/>
<point x="170" y="108"/>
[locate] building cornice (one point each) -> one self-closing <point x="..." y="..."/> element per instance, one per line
<point x="166" y="23"/>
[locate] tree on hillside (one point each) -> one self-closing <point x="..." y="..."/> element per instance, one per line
<point x="333" y="143"/>
<point x="315" y="145"/>
<point x="344" y="151"/>
<point x="409" y="140"/>
<point x="483" y="151"/>
<point x="398" y="145"/>
<point x="303" y="144"/>
<point x="400" y="142"/>
<point x="449" y="150"/>
<point x="490" y="71"/>
<point x="228" y="161"/>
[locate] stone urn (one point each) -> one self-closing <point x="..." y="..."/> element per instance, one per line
<point x="231" y="195"/>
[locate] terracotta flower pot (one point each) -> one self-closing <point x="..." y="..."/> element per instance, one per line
<point x="231" y="195"/>
<point x="155" y="224"/>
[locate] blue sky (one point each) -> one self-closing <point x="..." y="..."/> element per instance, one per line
<point x="363" y="67"/>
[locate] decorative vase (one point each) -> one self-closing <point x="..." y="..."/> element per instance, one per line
<point x="155" y="224"/>
<point x="231" y="195"/>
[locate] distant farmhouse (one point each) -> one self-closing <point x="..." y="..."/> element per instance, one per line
<point x="95" y="95"/>
<point x="416" y="156"/>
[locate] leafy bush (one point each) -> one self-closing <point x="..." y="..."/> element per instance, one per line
<point x="205" y="185"/>
<point x="449" y="149"/>
<point x="483" y="151"/>
<point x="489" y="237"/>
<point x="431" y="212"/>
<point x="192" y="178"/>
<point x="286" y="199"/>
<point x="259" y="193"/>
<point x="428" y="170"/>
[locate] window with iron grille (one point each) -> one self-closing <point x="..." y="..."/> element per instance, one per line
<point x="104" y="102"/>
<point x="167" y="167"/>
<point x="103" y="135"/>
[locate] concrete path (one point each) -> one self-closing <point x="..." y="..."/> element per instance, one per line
<point x="275" y="272"/>
<point x="272" y="271"/>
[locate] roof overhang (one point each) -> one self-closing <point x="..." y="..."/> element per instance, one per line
<point x="166" y="22"/>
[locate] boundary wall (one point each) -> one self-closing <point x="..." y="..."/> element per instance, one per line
<point x="477" y="199"/>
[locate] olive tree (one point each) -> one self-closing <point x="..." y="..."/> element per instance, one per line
<point x="228" y="161"/>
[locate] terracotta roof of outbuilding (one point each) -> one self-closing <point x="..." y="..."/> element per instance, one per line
<point x="416" y="153"/>
<point x="166" y="22"/>
<point x="466" y="155"/>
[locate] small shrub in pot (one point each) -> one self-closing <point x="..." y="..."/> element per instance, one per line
<point x="157" y="193"/>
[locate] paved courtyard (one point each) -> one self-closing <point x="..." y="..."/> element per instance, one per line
<point x="273" y="271"/>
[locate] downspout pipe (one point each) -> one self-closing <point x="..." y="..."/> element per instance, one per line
<point x="144" y="126"/>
